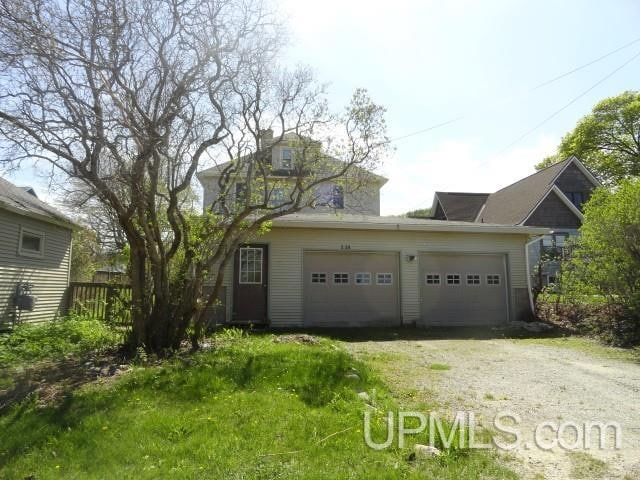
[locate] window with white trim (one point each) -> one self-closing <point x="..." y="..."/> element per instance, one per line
<point x="384" y="278"/>
<point x="318" y="277"/>
<point x="432" y="279"/>
<point x="31" y="243"/>
<point x="340" y="278"/>
<point x="473" y="279"/>
<point x="453" y="279"/>
<point x="330" y="195"/>
<point x="493" y="279"/>
<point x="250" y="265"/>
<point x="362" y="278"/>
<point x="286" y="158"/>
<point x="276" y="198"/>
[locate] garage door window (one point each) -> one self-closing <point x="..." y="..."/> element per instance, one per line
<point x="384" y="278"/>
<point x="473" y="279"/>
<point x="363" y="278"/>
<point x="340" y="278"/>
<point x="432" y="279"/>
<point x="250" y="265"/>
<point x="453" y="279"/>
<point x="493" y="279"/>
<point x="318" y="277"/>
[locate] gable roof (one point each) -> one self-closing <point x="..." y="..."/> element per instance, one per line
<point x="20" y="201"/>
<point x="463" y="206"/>
<point x="218" y="169"/>
<point x="513" y="204"/>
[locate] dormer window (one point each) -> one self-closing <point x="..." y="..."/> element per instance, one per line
<point x="286" y="158"/>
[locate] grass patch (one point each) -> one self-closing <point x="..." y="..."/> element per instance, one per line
<point x="489" y="396"/>
<point x="587" y="345"/>
<point x="439" y="366"/>
<point x="55" y="340"/>
<point x="251" y="408"/>
<point x="585" y="466"/>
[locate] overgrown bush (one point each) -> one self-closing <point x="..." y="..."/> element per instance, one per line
<point x="54" y="340"/>
<point x="605" y="265"/>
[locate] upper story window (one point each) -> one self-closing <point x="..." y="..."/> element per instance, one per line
<point x="577" y="198"/>
<point x="331" y="195"/>
<point x="241" y="192"/>
<point x="31" y="243"/>
<point x="276" y="198"/>
<point x="286" y="158"/>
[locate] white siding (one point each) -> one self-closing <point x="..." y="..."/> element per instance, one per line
<point x="49" y="274"/>
<point x="286" y="247"/>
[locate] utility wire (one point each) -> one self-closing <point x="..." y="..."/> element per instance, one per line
<point x="536" y="87"/>
<point x="574" y="100"/>
<point x="557" y="112"/>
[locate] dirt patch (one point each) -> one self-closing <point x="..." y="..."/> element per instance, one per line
<point x="538" y="383"/>
<point x="297" y="338"/>
<point x="53" y="380"/>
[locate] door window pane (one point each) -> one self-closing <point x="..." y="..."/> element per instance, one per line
<point x="250" y="265"/>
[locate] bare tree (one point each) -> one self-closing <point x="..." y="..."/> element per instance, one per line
<point x="131" y="97"/>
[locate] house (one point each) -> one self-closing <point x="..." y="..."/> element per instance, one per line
<point x="362" y="199"/>
<point x="35" y="256"/>
<point x="349" y="266"/>
<point x="111" y="274"/>
<point x="552" y="198"/>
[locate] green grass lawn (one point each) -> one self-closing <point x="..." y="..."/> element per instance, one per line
<point x="250" y="408"/>
<point x="588" y="345"/>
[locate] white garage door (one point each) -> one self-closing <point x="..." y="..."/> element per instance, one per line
<point x="343" y="289"/>
<point x="463" y="289"/>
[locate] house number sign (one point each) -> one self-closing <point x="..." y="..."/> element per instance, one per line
<point x="345" y="247"/>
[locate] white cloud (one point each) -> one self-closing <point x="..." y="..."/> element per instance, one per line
<point x="458" y="166"/>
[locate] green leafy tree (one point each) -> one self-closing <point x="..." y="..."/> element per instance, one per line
<point x="607" y="140"/>
<point x="420" y="213"/>
<point x="606" y="258"/>
<point x="85" y="255"/>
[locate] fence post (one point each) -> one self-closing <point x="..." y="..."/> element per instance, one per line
<point x="109" y="304"/>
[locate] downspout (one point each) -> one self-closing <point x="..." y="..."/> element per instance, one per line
<point x="528" y="267"/>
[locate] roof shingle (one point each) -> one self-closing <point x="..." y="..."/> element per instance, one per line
<point x="20" y="200"/>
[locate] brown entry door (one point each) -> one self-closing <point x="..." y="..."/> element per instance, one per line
<point x="250" y="284"/>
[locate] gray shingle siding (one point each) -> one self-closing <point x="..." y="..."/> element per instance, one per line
<point x="573" y="180"/>
<point x="48" y="274"/>
<point x="553" y="213"/>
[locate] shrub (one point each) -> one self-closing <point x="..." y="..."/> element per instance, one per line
<point x="54" y="340"/>
<point x="605" y="264"/>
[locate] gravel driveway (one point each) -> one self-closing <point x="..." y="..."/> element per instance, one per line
<point x="537" y="382"/>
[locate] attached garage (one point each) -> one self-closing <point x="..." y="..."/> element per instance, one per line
<point x="458" y="289"/>
<point x="343" y="271"/>
<point x="344" y="289"/>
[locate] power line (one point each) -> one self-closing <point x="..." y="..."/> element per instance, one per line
<point x="574" y="100"/>
<point x="536" y="87"/>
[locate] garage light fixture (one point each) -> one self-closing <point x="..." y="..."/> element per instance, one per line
<point x="410" y="258"/>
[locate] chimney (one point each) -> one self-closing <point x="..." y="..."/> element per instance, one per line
<point x="266" y="137"/>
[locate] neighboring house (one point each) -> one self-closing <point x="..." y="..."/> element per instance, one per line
<point x="35" y="256"/>
<point x="324" y="269"/>
<point x="552" y="198"/>
<point x="111" y="274"/>
<point x="458" y="206"/>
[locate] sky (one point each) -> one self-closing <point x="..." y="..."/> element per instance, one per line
<point x="430" y="62"/>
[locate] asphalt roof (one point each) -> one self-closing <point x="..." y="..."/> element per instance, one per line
<point x="462" y="206"/>
<point x="512" y="204"/>
<point x="19" y="200"/>
<point x="371" y="222"/>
